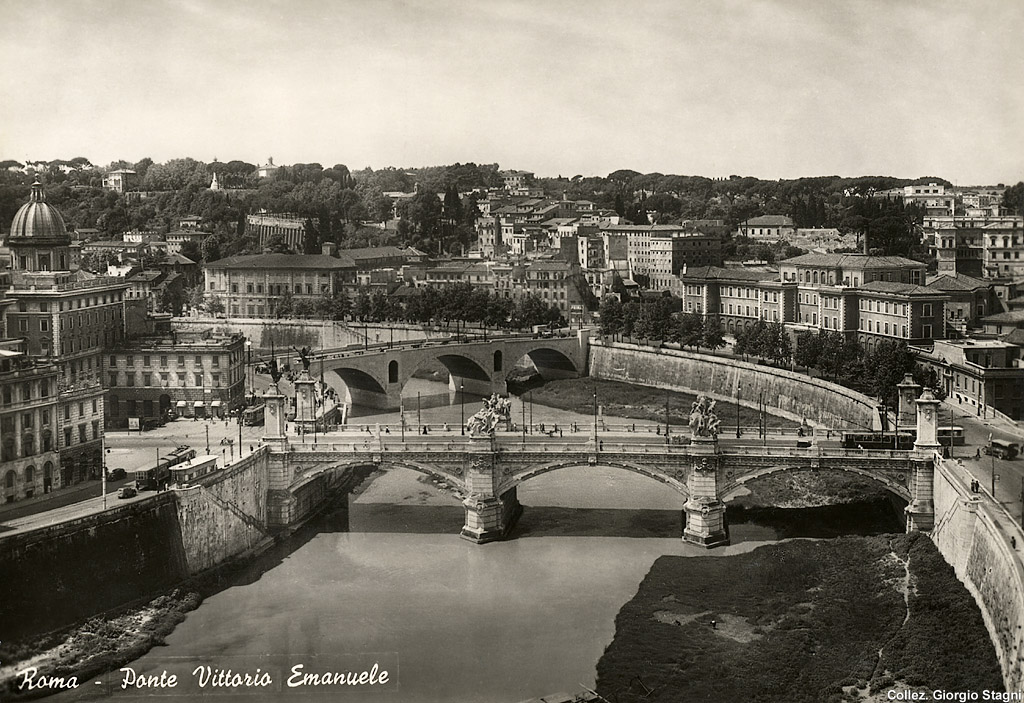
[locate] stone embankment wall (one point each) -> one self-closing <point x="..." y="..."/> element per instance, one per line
<point x="318" y="334"/>
<point x="55" y="576"/>
<point x="789" y="394"/>
<point x="225" y="516"/>
<point x="975" y="539"/>
<point x="58" y="575"/>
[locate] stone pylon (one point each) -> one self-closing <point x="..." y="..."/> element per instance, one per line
<point x="704" y="511"/>
<point x="921" y="510"/>
<point x="489" y="516"/>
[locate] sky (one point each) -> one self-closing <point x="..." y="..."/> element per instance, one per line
<point x="767" y="88"/>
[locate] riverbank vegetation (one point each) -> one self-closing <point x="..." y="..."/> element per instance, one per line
<point x="832" y="620"/>
<point x="632" y="401"/>
<point x="99" y="645"/>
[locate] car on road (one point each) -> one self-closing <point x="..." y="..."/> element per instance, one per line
<point x="116" y="474"/>
<point x="127" y="492"/>
<point x="1001" y="449"/>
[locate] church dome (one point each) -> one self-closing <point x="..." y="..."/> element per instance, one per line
<point x="37" y="220"/>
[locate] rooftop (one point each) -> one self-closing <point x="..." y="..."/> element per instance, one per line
<point x="284" y="261"/>
<point x="899" y="288"/>
<point x="852" y="261"/>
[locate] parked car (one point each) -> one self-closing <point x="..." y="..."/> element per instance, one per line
<point x="127" y="492"/>
<point x="116" y="474"/>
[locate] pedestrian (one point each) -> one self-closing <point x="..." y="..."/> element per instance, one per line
<point x="1013" y="542"/>
<point x="714" y="624"/>
<point x="560" y="433"/>
<point x="977" y="453"/>
<point x="600" y="446"/>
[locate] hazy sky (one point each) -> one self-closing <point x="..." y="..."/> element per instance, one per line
<point x="718" y="87"/>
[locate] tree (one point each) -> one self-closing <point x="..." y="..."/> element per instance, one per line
<point x="888" y="363"/>
<point x="277" y="245"/>
<point x="1013" y="198"/>
<point x="711" y="337"/>
<point x="691" y="330"/>
<point x="214" y="305"/>
<point x="211" y="248"/>
<point x="611" y="315"/>
<point x="191" y="250"/>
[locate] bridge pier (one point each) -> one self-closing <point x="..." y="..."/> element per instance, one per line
<point x="921" y="510"/>
<point x="390" y="400"/>
<point x="489" y="517"/>
<point x="473" y="386"/>
<point x="704" y="511"/>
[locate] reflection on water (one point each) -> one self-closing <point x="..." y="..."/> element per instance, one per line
<point x="386" y="576"/>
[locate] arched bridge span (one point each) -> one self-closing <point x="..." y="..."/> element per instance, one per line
<point x="375" y="378"/>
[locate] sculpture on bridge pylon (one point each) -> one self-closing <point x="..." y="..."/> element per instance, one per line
<point x="305" y="356"/>
<point x="483" y="424"/>
<point x="703" y="420"/>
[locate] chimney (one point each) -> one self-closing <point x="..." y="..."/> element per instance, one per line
<point x="328" y="248"/>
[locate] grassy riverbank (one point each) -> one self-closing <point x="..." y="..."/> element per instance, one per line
<point x="640" y="402"/>
<point x="832" y="620"/>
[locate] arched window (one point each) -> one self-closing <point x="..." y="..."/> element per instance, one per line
<point x="9" y="479"/>
<point x="30" y="474"/>
<point x="393" y="372"/>
<point x="28" y="445"/>
<point x="47" y="441"/>
<point x="7" y="451"/>
<point x="497" y="360"/>
<point x="815" y="276"/>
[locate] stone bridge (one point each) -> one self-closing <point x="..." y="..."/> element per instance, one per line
<point x="375" y="377"/>
<point x="487" y="471"/>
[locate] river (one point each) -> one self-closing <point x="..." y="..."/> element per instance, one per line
<point x="384" y="577"/>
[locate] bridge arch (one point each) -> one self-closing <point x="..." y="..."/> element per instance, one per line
<point x="891" y="484"/>
<point x="314" y="470"/>
<point x="676" y="483"/>
<point x="551" y="363"/>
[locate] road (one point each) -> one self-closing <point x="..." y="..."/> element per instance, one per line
<point x="1009" y="483"/>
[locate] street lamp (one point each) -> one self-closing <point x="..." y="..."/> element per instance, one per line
<point x="666" y="416"/>
<point x="248" y="366"/>
<point x="595" y="418"/>
<point x="739" y="387"/>
<point x="462" y="405"/>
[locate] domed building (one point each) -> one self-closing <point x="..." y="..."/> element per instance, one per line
<point x="59" y="323"/>
<point x="39" y="239"/>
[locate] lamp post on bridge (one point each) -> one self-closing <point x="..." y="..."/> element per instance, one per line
<point x="598" y="444"/>
<point x="462" y="405"/>
<point x="249" y="376"/>
<point x="739" y="387"/>
<point x="666" y="416"/>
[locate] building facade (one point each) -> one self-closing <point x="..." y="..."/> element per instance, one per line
<point x="153" y="378"/>
<point x="29" y="458"/>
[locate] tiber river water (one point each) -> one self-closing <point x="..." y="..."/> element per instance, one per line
<point x="388" y="574"/>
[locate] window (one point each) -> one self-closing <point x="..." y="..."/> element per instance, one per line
<point x="112" y="380"/>
<point x="94" y="406"/>
<point x="44" y="325"/>
<point x="199" y="360"/>
<point x="181" y="359"/>
<point x="199" y="379"/>
<point x="147" y="379"/>
<point x="926" y="331"/>
<point x="926" y="311"/>
<point x="81" y="432"/>
<point x="146" y="361"/>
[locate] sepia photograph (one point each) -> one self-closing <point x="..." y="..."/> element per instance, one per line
<point x="515" y="351"/>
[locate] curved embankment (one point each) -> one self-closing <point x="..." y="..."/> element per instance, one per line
<point x="286" y="333"/>
<point x="981" y="542"/>
<point x="792" y="395"/>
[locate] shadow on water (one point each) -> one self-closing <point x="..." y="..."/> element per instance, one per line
<point x="745" y="524"/>
<point x="862" y="518"/>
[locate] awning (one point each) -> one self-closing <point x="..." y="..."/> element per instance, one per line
<point x="215" y="404"/>
<point x="197" y="404"/>
<point x="180" y="404"/>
